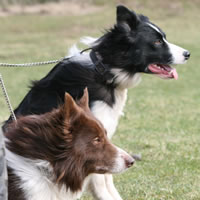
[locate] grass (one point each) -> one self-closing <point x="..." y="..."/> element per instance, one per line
<point x="162" y="118"/>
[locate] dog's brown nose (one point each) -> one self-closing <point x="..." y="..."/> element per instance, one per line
<point x="129" y="162"/>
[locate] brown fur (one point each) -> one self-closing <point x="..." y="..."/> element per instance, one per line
<point x="70" y="138"/>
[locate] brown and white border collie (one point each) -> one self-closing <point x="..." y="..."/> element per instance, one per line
<point x="49" y="156"/>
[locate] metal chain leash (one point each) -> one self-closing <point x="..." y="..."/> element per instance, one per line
<point x="7" y="98"/>
<point x="31" y="64"/>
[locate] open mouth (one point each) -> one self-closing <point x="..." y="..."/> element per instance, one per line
<point x="163" y="71"/>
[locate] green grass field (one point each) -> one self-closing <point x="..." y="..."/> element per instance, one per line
<point x="162" y="118"/>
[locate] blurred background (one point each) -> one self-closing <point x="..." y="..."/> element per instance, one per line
<point x="162" y="118"/>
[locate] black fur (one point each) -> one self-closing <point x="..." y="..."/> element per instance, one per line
<point x="129" y="46"/>
<point x="68" y="76"/>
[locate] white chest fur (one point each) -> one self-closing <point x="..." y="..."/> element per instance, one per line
<point x="109" y="116"/>
<point x="35" y="183"/>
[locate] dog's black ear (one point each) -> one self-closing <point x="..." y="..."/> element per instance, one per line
<point x="126" y="16"/>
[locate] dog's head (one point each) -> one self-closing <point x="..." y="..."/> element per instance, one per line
<point x="137" y="45"/>
<point x="88" y="149"/>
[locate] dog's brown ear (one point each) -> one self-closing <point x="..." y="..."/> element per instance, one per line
<point x="84" y="100"/>
<point x="71" y="109"/>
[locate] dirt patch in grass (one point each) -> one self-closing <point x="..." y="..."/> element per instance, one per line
<point x="61" y="8"/>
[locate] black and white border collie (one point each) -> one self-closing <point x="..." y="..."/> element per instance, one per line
<point x="115" y="63"/>
<point x="50" y="156"/>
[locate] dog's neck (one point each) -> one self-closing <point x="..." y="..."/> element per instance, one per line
<point x="118" y="77"/>
<point x="101" y="68"/>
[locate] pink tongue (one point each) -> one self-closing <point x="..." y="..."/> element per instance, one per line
<point x="175" y="74"/>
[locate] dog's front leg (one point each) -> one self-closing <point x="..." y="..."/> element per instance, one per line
<point x="111" y="188"/>
<point x="98" y="187"/>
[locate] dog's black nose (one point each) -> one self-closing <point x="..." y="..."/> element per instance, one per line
<point x="186" y="54"/>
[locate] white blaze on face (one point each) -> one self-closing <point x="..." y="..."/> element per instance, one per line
<point x="122" y="161"/>
<point x="176" y="51"/>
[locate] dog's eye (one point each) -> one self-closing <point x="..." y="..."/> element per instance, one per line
<point x="96" y="140"/>
<point x="158" y="42"/>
